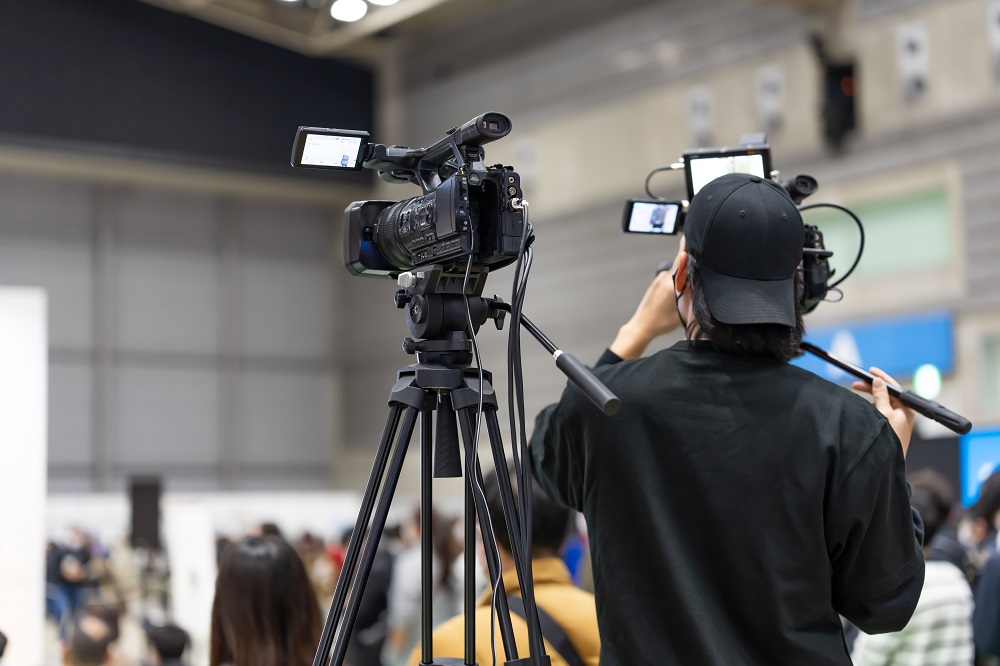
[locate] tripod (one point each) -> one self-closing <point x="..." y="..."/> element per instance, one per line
<point x="442" y="381"/>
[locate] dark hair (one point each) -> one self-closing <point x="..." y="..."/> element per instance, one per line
<point x="270" y="529"/>
<point x="169" y="641"/>
<point x="772" y="340"/>
<point x="443" y="545"/>
<point x="89" y="641"/>
<point x="931" y="495"/>
<point x="988" y="504"/>
<point x="549" y="521"/>
<point x="265" y="612"/>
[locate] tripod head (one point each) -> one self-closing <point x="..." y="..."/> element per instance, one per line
<point x="439" y="306"/>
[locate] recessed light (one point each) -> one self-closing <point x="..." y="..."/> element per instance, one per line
<point x="348" y="10"/>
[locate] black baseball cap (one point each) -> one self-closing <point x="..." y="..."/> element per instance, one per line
<point x="747" y="237"/>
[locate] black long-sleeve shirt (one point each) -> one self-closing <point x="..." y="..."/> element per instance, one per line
<point x="735" y="506"/>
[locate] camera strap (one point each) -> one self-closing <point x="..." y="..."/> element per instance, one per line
<point x="551" y="631"/>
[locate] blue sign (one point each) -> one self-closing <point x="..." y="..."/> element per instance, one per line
<point x="899" y="346"/>
<point x="979" y="456"/>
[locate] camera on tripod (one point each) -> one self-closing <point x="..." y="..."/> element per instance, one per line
<point x="470" y="219"/>
<point x="466" y="207"/>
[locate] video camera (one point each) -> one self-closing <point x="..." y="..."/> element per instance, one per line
<point x="466" y="207"/>
<point x="752" y="156"/>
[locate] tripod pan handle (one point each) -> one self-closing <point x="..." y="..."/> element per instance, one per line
<point x="936" y="412"/>
<point x="932" y="410"/>
<point x="591" y="386"/>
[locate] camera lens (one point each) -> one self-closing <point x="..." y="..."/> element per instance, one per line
<point x="404" y="228"/>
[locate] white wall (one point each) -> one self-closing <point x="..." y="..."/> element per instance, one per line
<point x="192" y="328"/>
<point x="23" y="447"/>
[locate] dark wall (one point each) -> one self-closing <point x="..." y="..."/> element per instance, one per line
<point x="941" y="455"/>
<point x="131" y="77"/>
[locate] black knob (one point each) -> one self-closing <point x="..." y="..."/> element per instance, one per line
<point x="418" y="310"/>
<point x="409" y="346"/>
<point x="401" y="298"/>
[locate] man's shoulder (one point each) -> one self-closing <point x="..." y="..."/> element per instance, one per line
<point x="682" y="357"/>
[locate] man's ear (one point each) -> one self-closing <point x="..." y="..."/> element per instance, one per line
<point x="681" y="271"/>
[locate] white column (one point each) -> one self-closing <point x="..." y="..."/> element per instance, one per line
<point x="23" y="453"/>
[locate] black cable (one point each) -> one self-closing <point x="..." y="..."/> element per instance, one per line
<point x="861" y="232"/>
<point x="650" y="177"/>
<point x="513" y="337"/>
<point x="524" y="478"/>
<point x="525" y="482"/>
<point x="513" y="357"/>
<point x="479" y="415"/>
<point x="515" y="385"/>
<point x="518" y="429"/>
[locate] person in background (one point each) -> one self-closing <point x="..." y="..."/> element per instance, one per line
<point x="89" y="642"/>
<point x="567" y="614"/>
<point x="946" y="545"/>
<point x="368" y="639"/>
<point x="404" y="592"/>
<point x="265" y="612"/>
<point x="978" y="529"/>
<point x="67" y="578"/>
<point x="266" y="529"/>
<point x="222" y="544"/>
<point x="940" y="631"/>
<point x="167" y="645"/>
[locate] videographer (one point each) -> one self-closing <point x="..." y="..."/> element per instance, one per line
<point x="736" y="504"/>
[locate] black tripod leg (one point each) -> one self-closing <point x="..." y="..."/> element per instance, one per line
<point x="473" y="474"/>
<point x="364" y="516"/>
<point x="470" y="576"/>
<point x="536" y="646"/>
<point x="426" y="540"/>
<point x="368" y="551"/>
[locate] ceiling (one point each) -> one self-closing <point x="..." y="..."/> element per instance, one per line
<point x="305" y="26"/>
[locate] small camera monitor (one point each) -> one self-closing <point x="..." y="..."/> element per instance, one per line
<point x="322" y="148"/>
<point x="703" y="166"/>
<point x="651" y="216"/>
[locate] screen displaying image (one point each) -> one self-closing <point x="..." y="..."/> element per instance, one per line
<point x="331" y="151"/>
<point x="705" y="170"/>
<point x="653" y="218"/>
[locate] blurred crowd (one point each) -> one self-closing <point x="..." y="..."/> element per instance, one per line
<point x="957" y="619"/>
<point x="271" y="594"/>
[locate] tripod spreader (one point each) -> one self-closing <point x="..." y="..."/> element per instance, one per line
<point x="932" y="410"/>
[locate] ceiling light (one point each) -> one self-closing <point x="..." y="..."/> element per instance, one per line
<point x="384" y="3"/>
<point x="348" y="10"/>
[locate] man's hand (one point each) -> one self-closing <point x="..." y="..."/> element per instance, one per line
<point x="899" y="415"/>
<point x="656" y="315"/>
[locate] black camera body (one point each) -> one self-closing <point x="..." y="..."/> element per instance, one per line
<point x="466" y="207"/>
<point x="471" y="212"/>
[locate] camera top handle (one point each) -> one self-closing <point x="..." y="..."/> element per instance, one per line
<point x="422" y="166"/>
